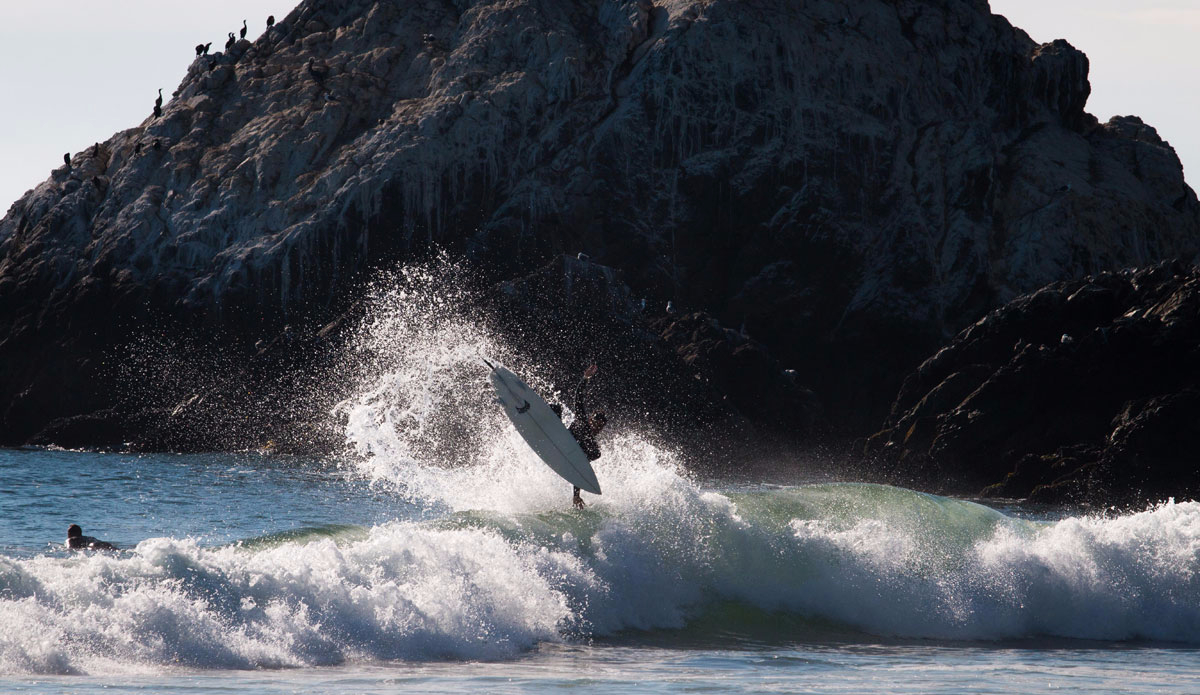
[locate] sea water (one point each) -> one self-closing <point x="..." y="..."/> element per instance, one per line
<point x="436" y="553"/>
<point x="270" y="574"/>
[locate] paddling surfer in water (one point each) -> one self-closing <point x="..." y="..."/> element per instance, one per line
<point x="77" y="541"/>
<point x="587" y="425"/>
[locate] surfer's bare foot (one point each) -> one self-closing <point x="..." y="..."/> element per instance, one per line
<point x="578" y="502"/>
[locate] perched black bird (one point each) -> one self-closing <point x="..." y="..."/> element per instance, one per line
<point x="270" y="21"/>
<point x="96" y="149"/>
<point x="158" y="101"/>
<point x="230" y="42"/>
<point x="157" y="111"/>
<point x="199" y="49"/>
<point x="243" y="28"/>
<point x="157" y="144"/>
<point x="67" y="159"/>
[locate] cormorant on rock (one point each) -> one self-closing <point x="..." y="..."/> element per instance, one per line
<point x="157" y="144"/>
<point x="157" y="111"/>
<point x="230" y="42"/>
<point x="158" y="101"/>
<point x="96" y="149"/>
<point x="243" y="28"/>
<point x="67" y="160"/>
<point x="270" y="21"/>
<point x="202" y="48"/>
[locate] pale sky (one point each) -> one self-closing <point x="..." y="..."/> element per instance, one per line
<point x="1143" y="55"/>
<point x="74" y="72"/>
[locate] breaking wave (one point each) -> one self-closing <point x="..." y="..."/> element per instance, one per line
<point x="656" y="553"/>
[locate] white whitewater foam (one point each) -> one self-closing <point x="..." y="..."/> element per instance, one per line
<point x="405" y="592"/>
<point x="885" y="560"/>
<point x="491" y="585"/>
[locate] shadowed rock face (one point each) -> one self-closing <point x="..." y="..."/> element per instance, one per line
<point x="1084" y="391"/>
<point x="710" y="388"/>
<point x="835" y="178"/>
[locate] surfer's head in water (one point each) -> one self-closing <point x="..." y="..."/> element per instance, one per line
<point x="598" y="421"/>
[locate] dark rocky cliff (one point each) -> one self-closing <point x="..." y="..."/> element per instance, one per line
<point x="1085" y="391"/>
<point x="853" y="183"/>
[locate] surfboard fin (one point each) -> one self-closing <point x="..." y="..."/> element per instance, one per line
<point x="524" y="409"/>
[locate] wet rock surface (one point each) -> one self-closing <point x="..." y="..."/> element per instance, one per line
<point x="1085" y="391"/>
<point x="850" y="185"/>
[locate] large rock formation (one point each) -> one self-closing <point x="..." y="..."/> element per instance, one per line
<point x="835" y="178"/>
<point x="1084" y="391"/>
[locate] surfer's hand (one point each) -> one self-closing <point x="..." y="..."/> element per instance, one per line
<point x="590" y="372"/>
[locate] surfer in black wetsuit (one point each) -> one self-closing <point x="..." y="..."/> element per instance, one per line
<point x="77" y="541"/>
<point x="587" y="425"/>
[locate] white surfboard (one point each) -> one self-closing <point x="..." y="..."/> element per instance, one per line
<point x="543" y="430"/>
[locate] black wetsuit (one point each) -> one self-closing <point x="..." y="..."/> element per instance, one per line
<point x="88" y="543"/>
<point x="581" y="428"/>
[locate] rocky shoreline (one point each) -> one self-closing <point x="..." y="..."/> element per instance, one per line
<point x="1083" y="392"/>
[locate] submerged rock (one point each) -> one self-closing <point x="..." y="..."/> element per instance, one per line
<point x="1084" y="391"/>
